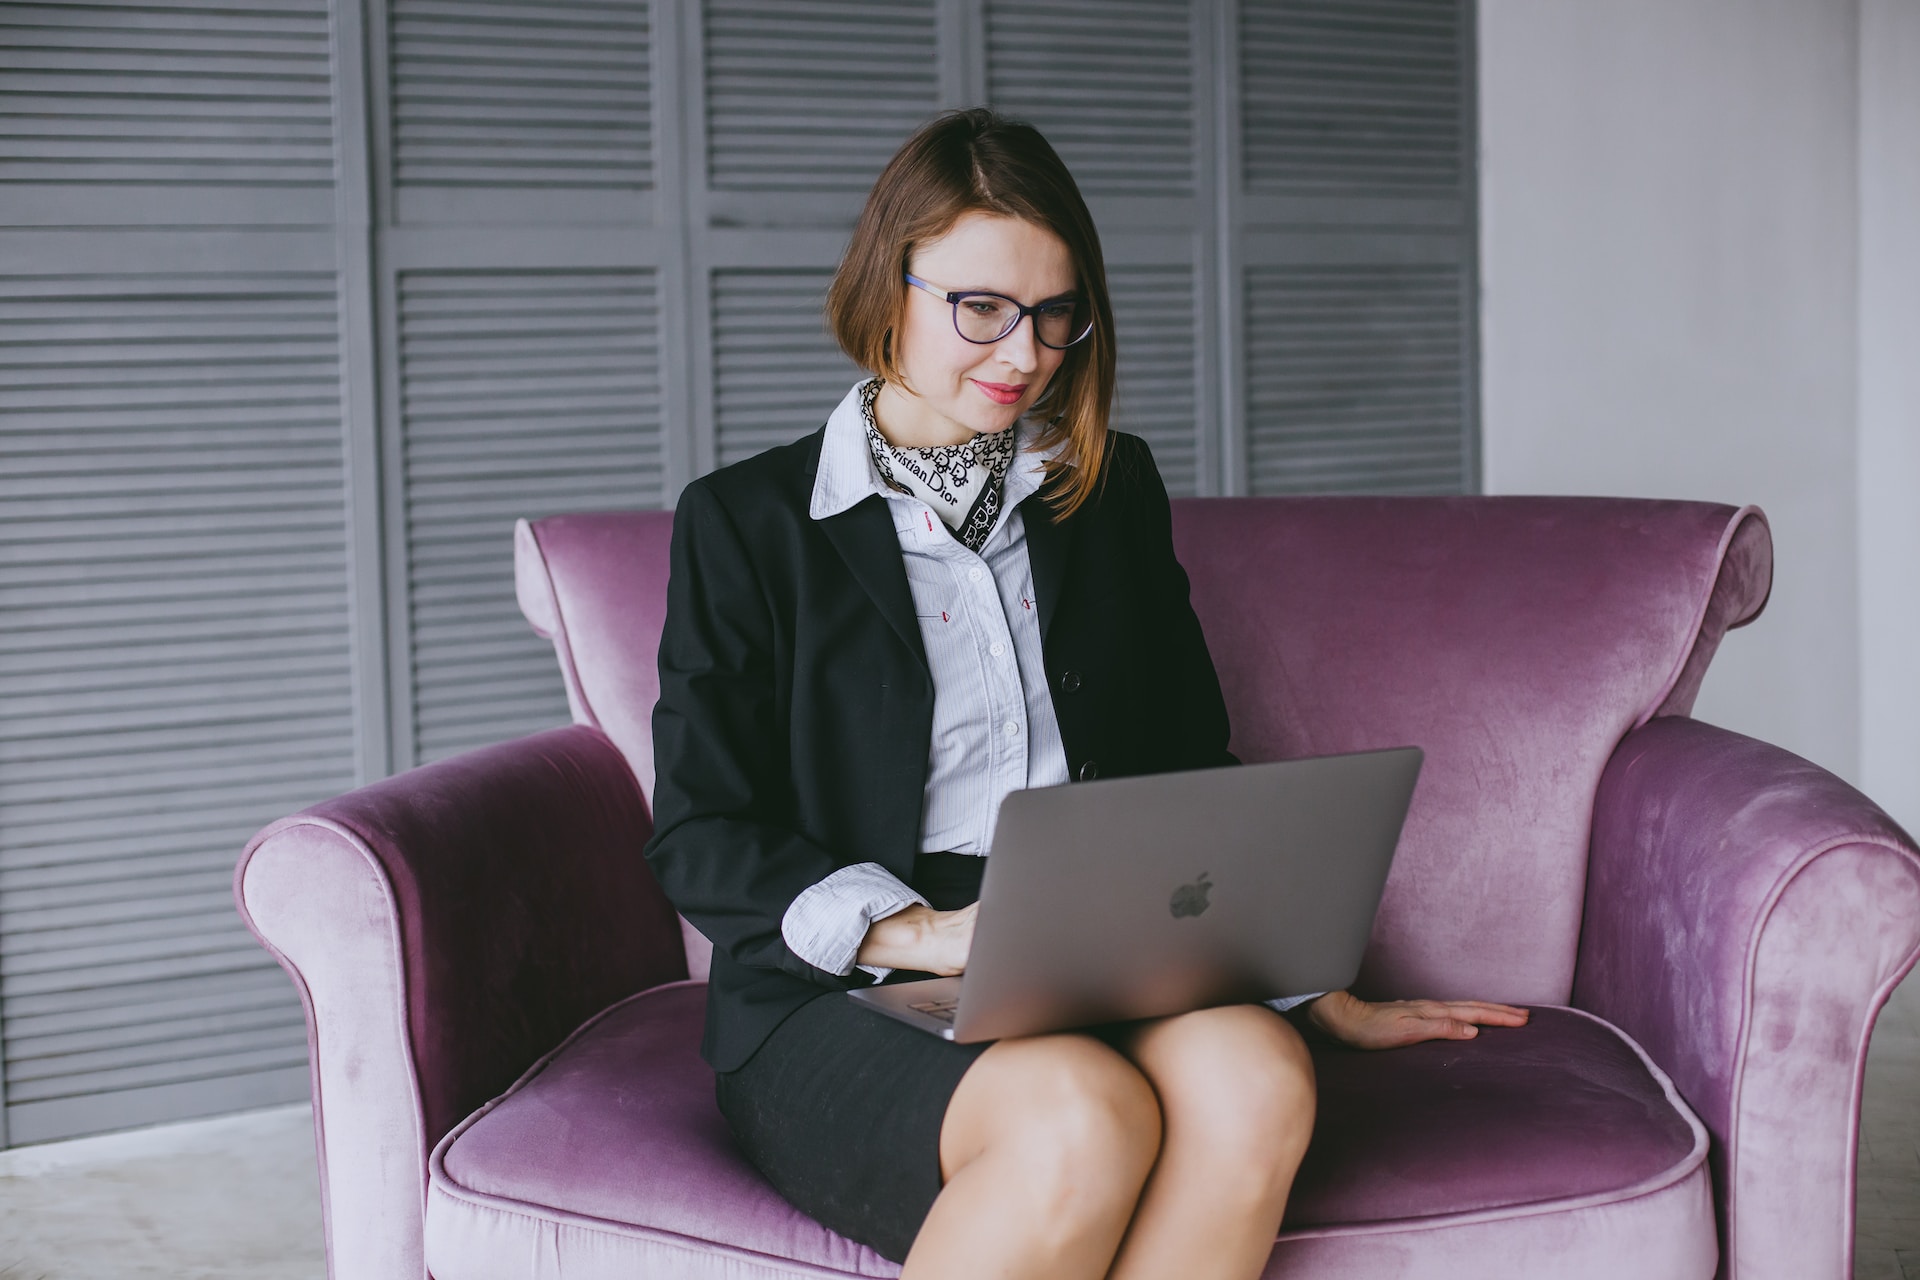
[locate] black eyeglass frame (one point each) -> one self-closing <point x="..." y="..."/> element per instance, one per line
<point x="1021" y="312"/>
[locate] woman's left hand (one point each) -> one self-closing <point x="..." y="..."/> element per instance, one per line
<point x="1390" y="1024"/>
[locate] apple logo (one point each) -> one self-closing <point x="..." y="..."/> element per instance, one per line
<point x="1190" y="899"/>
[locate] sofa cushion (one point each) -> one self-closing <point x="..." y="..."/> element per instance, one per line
<point x="610" y="1158"/>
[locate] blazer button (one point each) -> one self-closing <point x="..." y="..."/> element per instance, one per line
<point x="1069" y="682"/>
<point x="1089" y="771"/>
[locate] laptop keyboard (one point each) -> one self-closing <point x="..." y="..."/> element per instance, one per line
<point x="941" y="1009"/>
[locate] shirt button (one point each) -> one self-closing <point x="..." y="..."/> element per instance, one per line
<point x="1011" y="728"/>
<point x="1069" y="681"/>
<point x="1089" y="771"/>
<point x="974" y="574"/>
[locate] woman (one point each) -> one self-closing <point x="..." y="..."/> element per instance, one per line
<point x="962" y="585"/>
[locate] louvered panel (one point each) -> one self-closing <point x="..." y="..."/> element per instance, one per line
<point x="160" y="697"/>
<point x="33" y="1020"/>
<point x="1154" y="319"/>
<point x="1110" y="83"/>
<point x="814" y="95"/>
<point x="167" y="94"/>
<point x="522" y="394"/>
<point x="513" y="93"/>
<point x="1356" y="380"/>
<point x="1353" y="96"/>
<point x="776" y="370"/>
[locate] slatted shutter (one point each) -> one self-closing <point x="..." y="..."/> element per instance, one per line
<point x="1110" y="82"/>
<point x="1153" y="310"/>
<point x="523" y="393"/>
<point x="543" y="109"/>
<point x="777" y="374"/>
<point x="813" y="96"/>
<point x="528" y="346"/>
<point x="1355" y="126"/>
<point x="1365" y="98"/>
<point x="1355" y="375"/>
<point x="174" y="674"/>
<point x="166" y="112"/>
<point x="1111" y="85"/>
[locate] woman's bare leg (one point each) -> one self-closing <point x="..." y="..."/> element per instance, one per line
<point x="1236" y="1093"/>
<point x="1045" y="1147"/>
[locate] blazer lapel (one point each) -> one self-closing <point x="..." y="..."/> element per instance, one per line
<point x="1049" y="547"/>
<point x="863" y="535"/>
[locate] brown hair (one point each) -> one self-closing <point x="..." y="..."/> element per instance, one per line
<point x="976" y="160"/>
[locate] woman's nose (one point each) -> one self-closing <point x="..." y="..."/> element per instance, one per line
<point x="1018" y="350"/>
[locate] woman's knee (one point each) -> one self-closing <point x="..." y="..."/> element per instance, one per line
<point x="1239" y="1079"/>
<point x="1080" y="1125"/>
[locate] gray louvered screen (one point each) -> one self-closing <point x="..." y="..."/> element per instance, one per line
<point x="776" y="370"/>
<point x="1110" y="82"/>
<point x="1353" y="95"/>
<point x="167" y="97"/>
<point x="1158" y="385"/>
<point x="519" y="93"/>
<point x="522" y="394"/>
<point x="173" y="674"/>
<point x="814" y="95"/>
<point x="1356" y="379"/>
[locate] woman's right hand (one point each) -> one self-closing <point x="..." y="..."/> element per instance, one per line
<point x="920" y="938"/>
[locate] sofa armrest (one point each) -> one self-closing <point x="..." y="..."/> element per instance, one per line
<point x="1747" y="914"/>
<point x="445" y="928"/>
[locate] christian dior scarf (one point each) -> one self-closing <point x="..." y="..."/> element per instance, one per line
<point x="963" y="482"/>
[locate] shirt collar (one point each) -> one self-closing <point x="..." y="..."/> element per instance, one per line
<point x="847" y="475"/>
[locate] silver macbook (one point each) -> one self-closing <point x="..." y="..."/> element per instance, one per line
<point x="1142" y="897"/>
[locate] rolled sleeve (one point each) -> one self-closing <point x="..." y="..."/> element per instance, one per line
<point x="828" y="920"/>
<point x="1285" y="1003"/>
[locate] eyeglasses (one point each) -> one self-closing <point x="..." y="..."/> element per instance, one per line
<point x="985" y="318"/>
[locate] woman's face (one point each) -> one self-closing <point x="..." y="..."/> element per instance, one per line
<point x="957" y="389"/>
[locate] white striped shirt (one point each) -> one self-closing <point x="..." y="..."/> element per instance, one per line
<point x="994" y="730"/>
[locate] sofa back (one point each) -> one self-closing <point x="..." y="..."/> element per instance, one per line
<point x="1516" y="640"/>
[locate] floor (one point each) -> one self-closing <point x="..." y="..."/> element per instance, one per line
<point x="204" y="1200"/>
<point x="238" y="1196"/>
<point x="1887" y="1246"/>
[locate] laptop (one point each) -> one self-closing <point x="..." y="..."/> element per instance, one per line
<point x="1141" y="897"/>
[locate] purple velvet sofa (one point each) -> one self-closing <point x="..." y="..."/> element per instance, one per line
<point x="503" y="1010"/>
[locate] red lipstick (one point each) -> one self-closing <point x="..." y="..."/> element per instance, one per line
<point x="1000" y="392"/>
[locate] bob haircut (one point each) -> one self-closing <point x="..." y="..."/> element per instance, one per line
<point x="962" y="162"/>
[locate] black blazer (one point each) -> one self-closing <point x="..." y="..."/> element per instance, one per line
<point x="795" y="714"/>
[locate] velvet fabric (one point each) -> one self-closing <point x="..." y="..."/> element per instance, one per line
<point x="1736" y="911"/>
<point x="596" y="585"/>
<point x="319" y="900"/>
<point x="463" y="918"/>
<point x="574" y="1161"/>
<point x="1515" y="639"/>
<point x="1747" y="915"/>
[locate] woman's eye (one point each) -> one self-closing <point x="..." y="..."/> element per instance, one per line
<point x="982" y="308"/>
<point x="1057" y="310"/>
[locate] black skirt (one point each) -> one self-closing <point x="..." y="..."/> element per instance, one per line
<point x="841" y="1107"/>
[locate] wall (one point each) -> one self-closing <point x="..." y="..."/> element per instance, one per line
<point x="1890" y="404"/>
<point x="1668" y="236"/>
